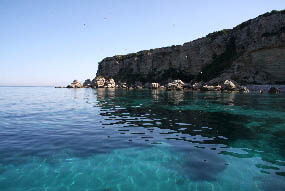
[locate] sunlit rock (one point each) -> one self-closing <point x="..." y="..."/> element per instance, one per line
<point x="75" y="84"/>
<point x="110" y="83"/>
<point x="154" y="85"/>
<point x="99" y="82"/>
<point x="229" y="85"/>
<point x="175" y="85"/>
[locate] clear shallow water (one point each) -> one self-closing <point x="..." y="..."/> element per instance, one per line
<point x="85" y="139"/>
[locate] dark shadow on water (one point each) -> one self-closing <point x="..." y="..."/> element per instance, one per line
<point x="201" y="165"/>
<point x="169" y="111"/>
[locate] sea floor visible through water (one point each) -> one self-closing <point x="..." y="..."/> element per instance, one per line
<point x="119" y="140"/>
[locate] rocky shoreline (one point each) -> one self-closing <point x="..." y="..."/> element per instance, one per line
<point x="178" y="85"/>
<point x="228" y="60"/>
<point x="250" y="53"/>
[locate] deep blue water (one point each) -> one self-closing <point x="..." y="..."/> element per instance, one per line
<point x="107" y="140"/>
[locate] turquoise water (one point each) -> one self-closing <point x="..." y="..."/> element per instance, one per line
<point x="107" y="140"/>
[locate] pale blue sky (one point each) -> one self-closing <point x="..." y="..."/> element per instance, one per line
<point x="52" y="42"/>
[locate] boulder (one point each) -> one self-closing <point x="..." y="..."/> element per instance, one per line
<point x="175" y="85"/>
<point x="75" y="84"/>
<point x="229" y="85"/>
<point x="198" y="86"/>
<point x="124" y="85"/>
<point x="154" y="85"/>
<point x="274" y="90"/>
<point x="87" y="83"/>
<point x="139" y="87"/>
<point x="99" y="82"/>
<point x="243" y="89"/>
<point x="110" y="83"/>
<point x="211" y="88"/>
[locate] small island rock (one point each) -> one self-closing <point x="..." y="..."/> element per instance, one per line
<point x="75" y="84"/>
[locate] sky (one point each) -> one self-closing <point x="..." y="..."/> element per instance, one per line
<point x="53" y="42"/>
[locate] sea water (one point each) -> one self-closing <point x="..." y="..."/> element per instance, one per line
<point x="119" y="140"/>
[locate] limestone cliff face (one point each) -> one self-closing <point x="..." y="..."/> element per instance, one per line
<point x="252" y="52"/>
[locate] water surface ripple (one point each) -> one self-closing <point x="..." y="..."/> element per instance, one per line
<point x="108" y="140"/>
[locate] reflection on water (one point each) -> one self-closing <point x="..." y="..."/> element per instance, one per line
<point x="109" y="139"/>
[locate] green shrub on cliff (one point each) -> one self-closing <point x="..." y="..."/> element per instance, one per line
<point x="218" y="33"/>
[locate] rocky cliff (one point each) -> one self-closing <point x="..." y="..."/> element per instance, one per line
<point x="251" y="53"/>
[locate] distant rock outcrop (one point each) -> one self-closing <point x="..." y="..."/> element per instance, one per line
<point x="75" y="84"/>
<point x="250" y="53"/>
<point x="87" y="83"/>
<point x="101" y="82"/>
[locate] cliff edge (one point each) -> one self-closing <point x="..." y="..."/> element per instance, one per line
<point x="250" y="53"/>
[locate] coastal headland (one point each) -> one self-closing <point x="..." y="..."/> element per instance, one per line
<point x="252" y="53"/>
